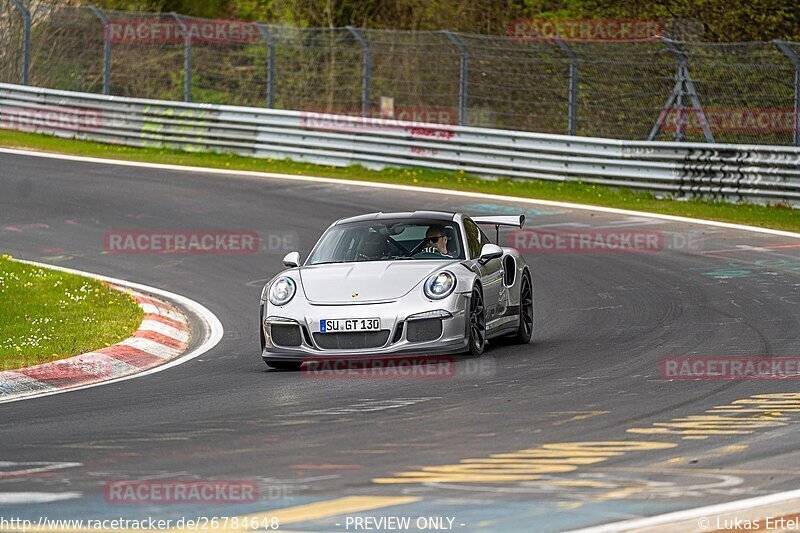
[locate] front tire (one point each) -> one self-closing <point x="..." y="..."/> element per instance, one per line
<point x="525" y="329"/>
<point x="477" y="323"/>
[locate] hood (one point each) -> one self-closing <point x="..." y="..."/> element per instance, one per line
<point x="370" y="280"/>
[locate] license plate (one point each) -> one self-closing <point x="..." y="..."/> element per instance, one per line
<point x="342" y="325"/>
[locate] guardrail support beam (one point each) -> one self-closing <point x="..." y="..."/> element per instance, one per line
<point x="572" y="105"/>
<point x="106" y="49"/>
<point x="788" y="52"/>
<point x="26" y="41"/>
<point x="187" y="58"/>
<point x="270" y="39"/>
<point x="463" y="79"/>
<point x="366" y="72"/>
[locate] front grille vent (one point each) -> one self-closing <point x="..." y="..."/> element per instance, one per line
<point x="352" y="340"/>
<point x="428" y="329"/>
<point x="285" y="335"/>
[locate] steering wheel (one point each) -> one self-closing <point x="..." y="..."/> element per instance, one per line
<point x="418" y="248"/>
<point x="430" y="255"/>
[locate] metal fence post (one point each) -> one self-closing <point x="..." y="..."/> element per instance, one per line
<point x="681" y="76"/>
<point x="366" y="74"/>
<point x="106" y="49"/>
<point x="572" y="106"/>
<point x="187" y="58"/>
<point x="787" y="50"/>
<point x="26" y="41"/>
<point x="270" y="39"/>
<point x="462" y="76"/>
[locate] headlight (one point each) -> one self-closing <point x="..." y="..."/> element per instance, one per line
<point x="440" y="285"/>
<point x="282" y="290"/>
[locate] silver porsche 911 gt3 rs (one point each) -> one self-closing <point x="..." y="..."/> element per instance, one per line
<point x="416" y="283"/>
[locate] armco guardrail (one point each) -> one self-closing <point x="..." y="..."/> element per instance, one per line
<point x="729" y="172"/>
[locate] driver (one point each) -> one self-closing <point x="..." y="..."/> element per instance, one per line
<point x="436" y="241"/>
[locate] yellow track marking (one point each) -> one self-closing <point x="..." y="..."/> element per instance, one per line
<point x="525" y="465"/>
<point x="759" y="410"/>
<point x="328" y="508"/>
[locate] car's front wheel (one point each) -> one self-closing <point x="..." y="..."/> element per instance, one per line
<point x="477" y="323"/>
<point x="525" y="329"/>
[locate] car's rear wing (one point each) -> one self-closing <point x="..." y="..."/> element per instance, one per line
<point x="516" y="221"/>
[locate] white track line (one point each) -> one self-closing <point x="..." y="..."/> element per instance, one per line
<point x="390" y="186"/>
<point x="690" y="514"/>
<point x="210" y="328"/>
<point x="655" y="520"/>
<point x="17" y="498"/>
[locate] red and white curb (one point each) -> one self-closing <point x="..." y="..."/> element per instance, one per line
<point x="162" y="336"/>
<point x="161" y="342"/>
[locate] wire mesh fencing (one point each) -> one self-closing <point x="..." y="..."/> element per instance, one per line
<point x="12" y="41"/>
<point x="145" y="55"/>
<point x="317" y="69"/>
<point x="747" y="92"/>
<point x="518" y="84"/>
<point x="658" y="89"/>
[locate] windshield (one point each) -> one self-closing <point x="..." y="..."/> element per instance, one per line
<point x="388" y="240"/>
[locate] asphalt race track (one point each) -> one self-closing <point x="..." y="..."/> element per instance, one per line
<point x="591" y="375"/>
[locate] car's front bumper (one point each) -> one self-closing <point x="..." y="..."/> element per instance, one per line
<point x="453" y="338"/>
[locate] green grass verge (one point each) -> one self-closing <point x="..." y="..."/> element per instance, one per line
<point x="777" y="217"/>
<point x="47" y="315"/>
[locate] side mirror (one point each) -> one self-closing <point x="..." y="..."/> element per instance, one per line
<point x="489" y="252"/>
<point x="291" y="260"/>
